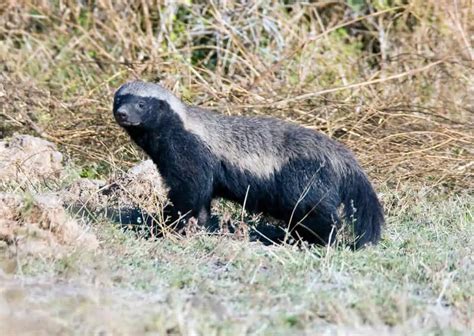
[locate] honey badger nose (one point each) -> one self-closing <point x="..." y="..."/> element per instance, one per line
<point x="121" y="113"/>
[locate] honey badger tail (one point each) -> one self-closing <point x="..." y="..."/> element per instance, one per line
<point x="363" y="210"/>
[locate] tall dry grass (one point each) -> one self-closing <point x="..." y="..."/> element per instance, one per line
<point x="394" y="80"/>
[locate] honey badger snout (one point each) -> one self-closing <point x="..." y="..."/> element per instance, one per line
<point x="127" y="114"/>
<point x="121" y="114"/>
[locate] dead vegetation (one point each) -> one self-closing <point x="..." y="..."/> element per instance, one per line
<point x="393" y="80"/>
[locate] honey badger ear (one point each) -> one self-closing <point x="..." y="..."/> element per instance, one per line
<point x="164" y="105"/>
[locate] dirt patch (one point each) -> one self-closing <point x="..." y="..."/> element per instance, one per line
<point x="38" y="224"/>
<point x="32" y="221"/>
<point x="35" y="222"/>
<point x="140" y="187"/>
<point x="47" y="307"/>
<point x="86" y="192"/>
<point x="26" y="160"/>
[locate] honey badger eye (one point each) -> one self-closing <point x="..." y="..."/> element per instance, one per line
<point x="141" y="104"/>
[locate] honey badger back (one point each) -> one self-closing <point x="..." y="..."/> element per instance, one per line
<point x="289" y="172"/>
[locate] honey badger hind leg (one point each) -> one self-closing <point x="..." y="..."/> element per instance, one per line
<point x="319" y="227"/>
<point x="204" y="214"/>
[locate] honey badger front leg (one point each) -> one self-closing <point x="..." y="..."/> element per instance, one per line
<point x="190" y="196"/>
<point x="176" y="216"/>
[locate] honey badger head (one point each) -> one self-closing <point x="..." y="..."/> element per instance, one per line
<point x="141" y="104"/>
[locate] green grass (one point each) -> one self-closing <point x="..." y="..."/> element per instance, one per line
<point x="418" y="280"/>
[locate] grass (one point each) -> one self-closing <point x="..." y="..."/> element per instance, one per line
<point x="418" y="280"/>
<point x="393" y="80"/>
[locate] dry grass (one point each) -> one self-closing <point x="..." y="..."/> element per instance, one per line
<point x="394" y="80"/>
<point x="395" y="83"/>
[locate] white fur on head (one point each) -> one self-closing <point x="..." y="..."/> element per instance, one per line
<point x="152" y="90"/>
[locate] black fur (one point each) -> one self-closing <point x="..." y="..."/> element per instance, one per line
<point x="307" y="191"/>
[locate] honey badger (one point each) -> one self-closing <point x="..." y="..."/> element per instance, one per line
<point x="277" y="168"/>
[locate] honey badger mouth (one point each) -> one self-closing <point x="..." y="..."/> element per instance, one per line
<point x="127" y="123"/>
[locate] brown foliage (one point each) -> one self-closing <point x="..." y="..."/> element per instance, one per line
<point x="395" y="83"/>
